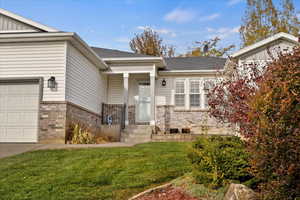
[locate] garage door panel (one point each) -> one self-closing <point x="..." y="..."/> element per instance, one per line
<point x="2" y="132"/>
<point x="3" y="117"/>
<point x="30" y="102"/>
<point x="19" y="112"/>
<point x="2" y="102"/>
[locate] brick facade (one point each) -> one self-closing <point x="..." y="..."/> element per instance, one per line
<point x="52" y="122"/>
<point x="167" y="117"/>
<point x="55" y="118"/>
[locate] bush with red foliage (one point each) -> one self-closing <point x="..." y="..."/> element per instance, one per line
<point x="263" y="103"/>
<point x="275" y="115"/>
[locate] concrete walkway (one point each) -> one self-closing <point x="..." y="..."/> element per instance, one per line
<point x="7" y="150"/>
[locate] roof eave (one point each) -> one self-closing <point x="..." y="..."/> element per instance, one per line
<point x="281" y="35"/>
<point x="190" y="72"/>
<point x="159" y="61"/>
<point x="28" y="21"/>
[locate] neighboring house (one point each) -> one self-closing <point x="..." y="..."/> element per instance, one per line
<point x="165" y="93"/>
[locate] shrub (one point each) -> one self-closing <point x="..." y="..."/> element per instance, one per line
<point x="275" y="145"/>
<point x="217" y="160"/>
<point x="81" y="135"/>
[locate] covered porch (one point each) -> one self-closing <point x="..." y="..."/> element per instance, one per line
<point x="132" y="85"/>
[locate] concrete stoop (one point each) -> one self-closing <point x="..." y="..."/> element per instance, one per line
<point x="136" y="134"/>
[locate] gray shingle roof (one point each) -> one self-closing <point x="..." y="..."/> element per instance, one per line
<point x="195" y="63"/>
<point x="112" y="53"/>
<point x="177" y="63"/>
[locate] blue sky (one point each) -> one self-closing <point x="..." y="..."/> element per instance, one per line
<point x="111" y="23"/>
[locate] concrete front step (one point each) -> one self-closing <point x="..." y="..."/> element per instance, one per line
<point x="136" y="134"/>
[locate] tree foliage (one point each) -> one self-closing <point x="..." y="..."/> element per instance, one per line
<point x="262" y="19"/>
<point x="150" y="43"/>
<point x="209" y="48"/>
<point x="275" y="117"/>
<point x="263" y="103"/>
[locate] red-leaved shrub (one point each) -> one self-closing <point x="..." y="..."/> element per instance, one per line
<point x="275" y="115"/>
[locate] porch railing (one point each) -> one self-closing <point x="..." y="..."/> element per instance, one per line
<point x="113" y="114"/>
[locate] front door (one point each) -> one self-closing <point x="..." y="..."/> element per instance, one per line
<point x="143" y="103"/>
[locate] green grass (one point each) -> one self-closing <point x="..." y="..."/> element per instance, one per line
<point x="95" y="173"/>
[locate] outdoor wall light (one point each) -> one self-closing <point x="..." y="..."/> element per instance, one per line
<point x="51" y="82"/>
<point x="163" y="82"/>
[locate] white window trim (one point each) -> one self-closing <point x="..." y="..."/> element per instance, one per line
<point x="187" y="105"/>
<point x="184" y="93"/>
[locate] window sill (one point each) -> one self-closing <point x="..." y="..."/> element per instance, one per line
<point x="190" y="110"/>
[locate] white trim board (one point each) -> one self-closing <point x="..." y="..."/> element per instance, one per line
<point x="27" y="21"/>
<point x="268" y="40"/>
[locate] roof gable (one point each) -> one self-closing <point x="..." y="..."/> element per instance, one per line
<point x="10" y="23"/>
<point x="269" y="40"/>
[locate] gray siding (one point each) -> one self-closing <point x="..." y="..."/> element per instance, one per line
<point x="9" y="24"/>
<point x="261" y="54"/>
<point x="36" y="59"/>
<point x="85" y="85"/>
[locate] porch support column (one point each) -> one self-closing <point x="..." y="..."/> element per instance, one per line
<point x="152" y="95"/>
<point x="125" y="96"/>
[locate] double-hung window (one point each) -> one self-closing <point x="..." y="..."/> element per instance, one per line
<point x="208" y="86"/>
<point x="180" y="93"/>
<point x="195" y="94"/>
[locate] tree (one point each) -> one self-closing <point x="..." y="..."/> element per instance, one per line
<point x="262" y="19"/>
<point x="150" y="43"/>
<point x="275" y="116"/>
<point x="209" y="48"/>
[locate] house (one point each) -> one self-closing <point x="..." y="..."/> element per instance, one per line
<point x="50" y="78"/>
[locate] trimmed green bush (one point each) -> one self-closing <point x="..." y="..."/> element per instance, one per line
<point x="217" y="160"/>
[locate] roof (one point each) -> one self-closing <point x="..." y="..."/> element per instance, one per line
<point x="27" y="21"/>
<point x="268" y="40"/>
<point x="195" y="63"/>
<point x="112" y="53"/>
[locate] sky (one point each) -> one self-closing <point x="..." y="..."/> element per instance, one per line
<point x="112" y="23"/>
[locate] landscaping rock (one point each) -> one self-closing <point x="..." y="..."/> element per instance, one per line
<point x="239" y="192"/>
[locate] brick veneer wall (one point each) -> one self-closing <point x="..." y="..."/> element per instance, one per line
<point x="52" y="122"/>
<point x="198" y="122"/>
<point x="77" y="114"/>
<point x="55" y="118"/>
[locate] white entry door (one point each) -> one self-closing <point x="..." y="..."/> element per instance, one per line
<point x="143" y="106"/>
<point x="19" y="105"/>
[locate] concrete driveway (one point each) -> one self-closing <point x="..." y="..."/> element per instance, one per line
<point x="7" y="150"/>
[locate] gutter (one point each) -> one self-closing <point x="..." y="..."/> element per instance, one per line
<point x="173" y="72"/>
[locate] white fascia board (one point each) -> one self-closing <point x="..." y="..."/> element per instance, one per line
<point x="27" y="21"/>
<point x="173" y="72"/>
<point x="159" y="60"/>
<point x="58" y="36"/>
<point x="266" y="41"/>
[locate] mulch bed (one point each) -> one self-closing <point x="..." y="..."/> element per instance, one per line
<point x="167" y="193"/>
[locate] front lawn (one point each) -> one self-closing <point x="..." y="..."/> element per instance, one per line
<point x="101" y="173"/>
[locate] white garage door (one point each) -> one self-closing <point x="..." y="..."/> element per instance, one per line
<point x="19" y="104"/>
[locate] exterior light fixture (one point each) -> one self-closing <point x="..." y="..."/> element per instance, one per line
<point x="163" y="82"/>
<point x="51" y="82"/>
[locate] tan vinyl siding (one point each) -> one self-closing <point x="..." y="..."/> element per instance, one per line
<point x="9" y="24"/>
<point x="115" y="89"/>
<point x="85" y="85"/>
<point x="42" y="59"/>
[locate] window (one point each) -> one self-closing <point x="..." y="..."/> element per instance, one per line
<point x="208" y="85"/>
<point x="195" y="93"/>
<point x="179" y="93"/>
